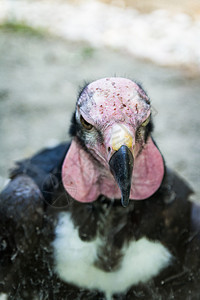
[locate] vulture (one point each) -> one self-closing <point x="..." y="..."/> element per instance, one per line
<point x="101" y="216"/>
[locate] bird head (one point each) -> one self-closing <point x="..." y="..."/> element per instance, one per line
<point x="112" y="152"/>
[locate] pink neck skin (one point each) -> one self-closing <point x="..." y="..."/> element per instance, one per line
<point x="84" y="180"/>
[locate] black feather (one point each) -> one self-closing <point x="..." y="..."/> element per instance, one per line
<point x="148" y="130"/>
<point x="44" y="168"/>
<point x="73" y="126"/>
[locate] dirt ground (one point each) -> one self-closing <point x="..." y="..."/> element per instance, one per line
<point x="39" y="80"/>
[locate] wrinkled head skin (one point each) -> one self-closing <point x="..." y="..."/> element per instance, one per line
<point x="112" y="153"/>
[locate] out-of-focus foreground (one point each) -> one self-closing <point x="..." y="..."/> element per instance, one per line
<point x="166" y="37"/>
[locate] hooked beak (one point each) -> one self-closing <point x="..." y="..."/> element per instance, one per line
<point x="121" y="166"/>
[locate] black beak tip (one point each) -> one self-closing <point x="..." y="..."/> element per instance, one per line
<point x="125" y="193"/>
<point x="125" y="202"/>
<point x="121" y="166"/>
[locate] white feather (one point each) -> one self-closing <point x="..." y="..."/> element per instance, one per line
<point x="3" y="297"/>
<point x="74" y="261"/>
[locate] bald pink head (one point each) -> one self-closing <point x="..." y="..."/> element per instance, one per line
<point x="117" y="111"/>
<point x="110" y="100"/>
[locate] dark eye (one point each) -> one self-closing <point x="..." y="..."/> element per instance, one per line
<point x="85" y="124"/>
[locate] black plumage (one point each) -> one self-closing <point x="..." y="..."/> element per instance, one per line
<point x="28" y="216"/>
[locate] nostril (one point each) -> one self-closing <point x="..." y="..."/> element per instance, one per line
<point x="109" y="149"/>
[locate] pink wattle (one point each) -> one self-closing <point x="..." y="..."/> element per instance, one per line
<point x="84" y="180"/>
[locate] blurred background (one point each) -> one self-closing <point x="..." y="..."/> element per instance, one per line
<point x="50" y="48"/>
